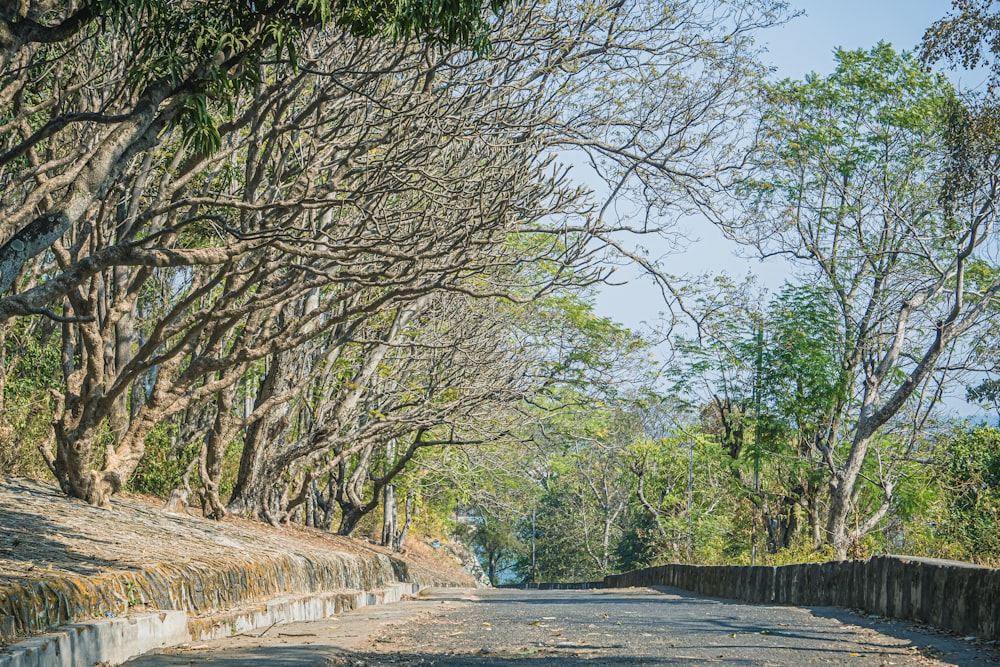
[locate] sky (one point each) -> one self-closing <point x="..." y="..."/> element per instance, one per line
<point x="805" y="44"/>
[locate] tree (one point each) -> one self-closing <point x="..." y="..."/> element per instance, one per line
<point x="765" y="377"/>
<point x="684" y="499"/>
<point x="804" y="388"/>
<point x="496" y="543"/>
<point x="860" y="183"/>
<point x="161" y="63"/>
<point x="254" y="206"/>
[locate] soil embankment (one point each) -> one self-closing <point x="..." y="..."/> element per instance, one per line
<point x="63" y="561"/>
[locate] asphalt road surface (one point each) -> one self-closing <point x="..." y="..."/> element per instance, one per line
<point x="629" y="627"/>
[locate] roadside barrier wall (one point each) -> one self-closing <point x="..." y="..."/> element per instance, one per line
<point x="205" y="586"/>
<point x="62" y="621"/>
<point x="555" y="586"/>
<point x="946" y="594"/>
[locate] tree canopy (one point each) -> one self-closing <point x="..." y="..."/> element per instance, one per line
<point x="304" y="260"/>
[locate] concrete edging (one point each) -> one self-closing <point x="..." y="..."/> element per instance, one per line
<point x="113" y="641"/>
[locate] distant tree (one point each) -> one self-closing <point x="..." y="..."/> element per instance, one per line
<point x="765" y="376"/>
<point x="497" y="544"/>
<point x="968" y="468"/>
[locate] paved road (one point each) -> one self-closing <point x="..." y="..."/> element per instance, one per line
<point x="594" y="628"/>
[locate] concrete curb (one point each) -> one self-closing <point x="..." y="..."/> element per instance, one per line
<point x="291" y="609"/>
<point x="113" y="641"/>
<point x="555" y="586"/>
<point x="110" y="640"/>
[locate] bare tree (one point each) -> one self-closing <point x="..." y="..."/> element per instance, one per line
<point x="448" y="378"/>
<point x="342" y="214"/>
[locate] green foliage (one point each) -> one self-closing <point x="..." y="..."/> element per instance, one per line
<point x="25" y="422"/>
<point x="986" y="393"/>
<point x="497" y="546"/>
<point x="162" y="464"/>
<point x="197" y="125"/>
<point x="437" y="22"/>
<point x="557" y="535"/>
<point x="32" y="356"/>
<point x="802" y="551"/>
<point x="802" y="365"/>
<point x="969" y="468"/>
<point x="588" y="354"/>
<point x="877" y="119"/>
<point x="216" y="50"/>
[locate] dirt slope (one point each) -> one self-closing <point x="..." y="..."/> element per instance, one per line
<point x="62" y="560"/>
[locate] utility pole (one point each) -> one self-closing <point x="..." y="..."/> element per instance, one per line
<point x="758" y="362"/>
<point x="690" y="498"/>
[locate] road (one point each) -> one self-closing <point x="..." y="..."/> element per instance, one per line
<point x="601" y="628"/>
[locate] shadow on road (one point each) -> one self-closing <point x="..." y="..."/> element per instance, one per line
<point x="304" y="657"/>
<point x="961" y="652"/>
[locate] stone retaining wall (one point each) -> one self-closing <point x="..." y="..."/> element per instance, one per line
<point x="950" y="595"/>
<point x="113" y="641"/>
<point x="198" y="587"/>
<point x="81" y="585"/>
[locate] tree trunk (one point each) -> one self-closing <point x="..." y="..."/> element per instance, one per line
<point x="811" y="504"/>
<point x="389" y="523"/>
<point x="493" y="559"/>
<point x="842" y="486"/>
<point x="310" y="517"/>
<point x="249" y="492"/>
<point x="214" y="452"/>
<point x="350" y="516"/>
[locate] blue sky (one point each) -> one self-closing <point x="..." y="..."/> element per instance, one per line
<point x="806" y="43"/>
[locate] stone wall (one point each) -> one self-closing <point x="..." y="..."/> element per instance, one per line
<point x="950" y="595"/>
<point x="556" y="586"/>
<point x="35" y="606"/>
